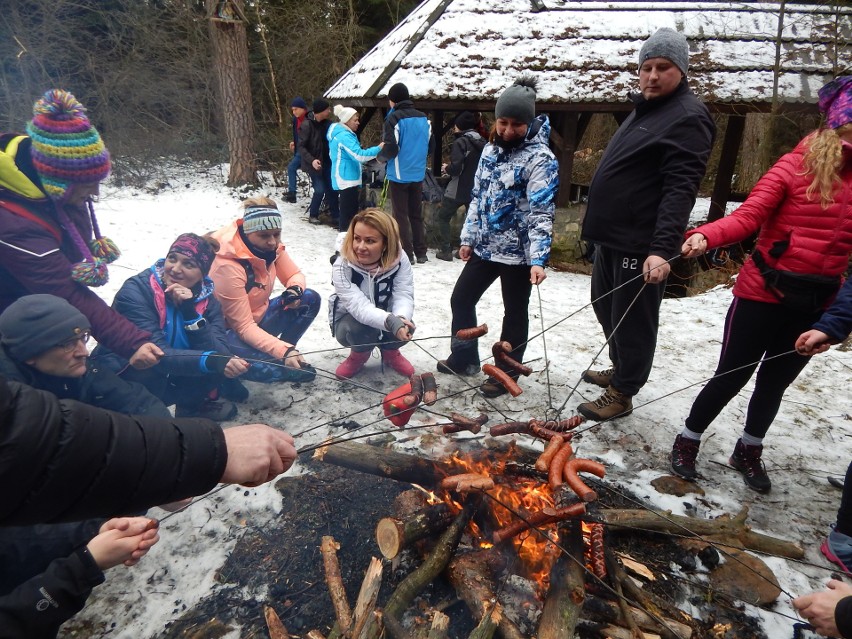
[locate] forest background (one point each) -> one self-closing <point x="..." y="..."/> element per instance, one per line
<point x="212" y="80"/>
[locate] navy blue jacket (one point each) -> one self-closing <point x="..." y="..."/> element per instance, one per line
<point x="836" y="322"/>
<point x="141" y="300"/>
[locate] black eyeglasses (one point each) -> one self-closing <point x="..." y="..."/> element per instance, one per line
<point x="71" y="344"/>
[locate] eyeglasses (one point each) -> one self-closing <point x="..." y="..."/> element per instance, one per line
<point x="71" y="344"/>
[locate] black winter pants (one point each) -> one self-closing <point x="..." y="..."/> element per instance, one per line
<point x="753" y="331"/>
<point x="348" y="202"/>
<point x="407" y="202"/>
<point x="632" y="345"/>
<point x="476" y="277"/>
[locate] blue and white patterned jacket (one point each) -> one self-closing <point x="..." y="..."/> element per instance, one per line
<point x="510" y="219"/>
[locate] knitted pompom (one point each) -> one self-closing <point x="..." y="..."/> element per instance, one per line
<point x="105" y="249"/>
<point x="93" y="273"/>
<point x="59" y="104"/>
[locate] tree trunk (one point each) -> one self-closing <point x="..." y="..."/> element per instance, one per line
<point x="386" y="463"/>
<point x="230" y="56"/>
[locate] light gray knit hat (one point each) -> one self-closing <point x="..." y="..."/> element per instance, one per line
<point x="667" y="43"/>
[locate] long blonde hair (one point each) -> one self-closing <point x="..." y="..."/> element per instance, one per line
<point x="823" y="160"/>
<point x="375" y="218"/>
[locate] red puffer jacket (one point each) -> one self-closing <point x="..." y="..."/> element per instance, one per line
<point x="820" y="239"/>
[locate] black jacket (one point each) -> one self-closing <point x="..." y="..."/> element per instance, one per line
<point x="644" y="188"/>
<point x="313" y="144"/>
<point x="61" y="460"/>
<point x="98" y="387"/>
<point x="464" y="158"/>
<point x="36" y="608"/>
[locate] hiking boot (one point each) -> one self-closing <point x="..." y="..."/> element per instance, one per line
<point x="746" y="459"/>
<point x="233" y="390"/>
<point x="215" y="410"/>
<point x="684" y="452"/>
<point x="422" y="259"/>
<point x="837" y="548"/>
<point x="314" y="220"/>
<point x="492" y="388"/>
<point x="352" y="365"/>
<point x="599" y="378"/>
<point x="611" y="405"/>
<point x="446" y="256"/>
<point x="290" y="197"/>
<point x="468" y="370"/>
<point x="396" y="360"/>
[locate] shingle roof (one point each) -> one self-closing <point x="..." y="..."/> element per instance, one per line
<point x="586" y="52"/>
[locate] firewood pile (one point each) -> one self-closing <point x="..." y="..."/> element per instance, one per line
<point x="478" y="522"/>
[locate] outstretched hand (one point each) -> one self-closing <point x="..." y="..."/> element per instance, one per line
<point x="146" y="356"/>
<point x="818" y="607"/>
<point x="695" y="245"/>
<point x="257" y="454"/>
<point x="812" y="342"/>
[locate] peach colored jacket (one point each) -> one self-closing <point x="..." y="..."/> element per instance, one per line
<point x="244" y="310"/>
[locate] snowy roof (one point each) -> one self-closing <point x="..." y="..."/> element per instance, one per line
<point x="585" y="53"/>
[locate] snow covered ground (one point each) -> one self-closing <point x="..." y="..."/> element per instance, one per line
<point x="809" y="439"/>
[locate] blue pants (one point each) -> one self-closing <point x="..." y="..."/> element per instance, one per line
<point x="288" y="325"/>
<point x="322" y="188"/>
<point x="294" y="165"/>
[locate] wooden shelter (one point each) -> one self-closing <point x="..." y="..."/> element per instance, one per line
<point x="459" y="55"/>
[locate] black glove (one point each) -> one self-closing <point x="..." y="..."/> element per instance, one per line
<point x="292" y="294"/>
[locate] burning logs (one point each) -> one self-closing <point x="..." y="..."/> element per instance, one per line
<point x="561" y="611"/>
<point x="471" y="575"/>
<point x="385" y="463"/>
<point x="541" y="518"/>
<point x="433" y="566"/>
<point x="394" y="535"/>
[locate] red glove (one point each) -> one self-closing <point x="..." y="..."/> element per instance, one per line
<point x="400" y="404"/>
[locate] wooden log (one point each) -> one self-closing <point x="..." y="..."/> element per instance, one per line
<point x="342" y="611"/>
<point x="734" y="528"/>
<point x="394" y="535"/>
<point x="432" y="566"/>
<point x="561" y="611"/>
<point x="274" y="625"/>
<point x="385" y="463"/>
<point x="471" y="575"/>
<point x="598" y="609"/>
<point x="489" y="623"/>
<point x="440" y="626"/>
<point x="367" y="596"/>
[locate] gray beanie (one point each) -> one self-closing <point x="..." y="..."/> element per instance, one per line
<point x="34" y="324"/>
<point x="518" y="101"/>
<point x="667" y="43"/>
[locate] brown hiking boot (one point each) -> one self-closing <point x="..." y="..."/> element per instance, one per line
<point x="611" y="405"/>
<point x="599" y="378"/>
<point x="746" y="459"/>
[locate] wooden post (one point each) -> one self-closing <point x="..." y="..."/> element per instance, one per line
<point x="727" y="162"/>
<point x="437" y="136"/>
<point x="568" y="131"/>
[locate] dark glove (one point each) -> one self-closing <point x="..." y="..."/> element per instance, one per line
<point x="292" y="294"/>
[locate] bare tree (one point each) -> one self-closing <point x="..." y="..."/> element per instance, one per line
<point x="230" y="54"/>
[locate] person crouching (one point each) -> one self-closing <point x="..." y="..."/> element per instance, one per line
<point x="373" y="299"/>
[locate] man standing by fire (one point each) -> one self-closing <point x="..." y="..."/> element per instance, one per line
<point x="640" y="199"/>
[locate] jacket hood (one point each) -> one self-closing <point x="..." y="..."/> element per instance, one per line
<point x="337" y="130"/>
<point x="539" y="132"/>
<point x="17" y="173"/>
<point x="378" y="272"/>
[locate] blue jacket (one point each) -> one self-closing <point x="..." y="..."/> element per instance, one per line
<point x="836" y="322"/>
<point x="510" y="218"/>
<point x="346" y="156"/>
<point x="407" y="136"/>
<point x="141" y="300"/>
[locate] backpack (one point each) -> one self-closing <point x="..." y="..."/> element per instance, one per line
<point x="432" y="191"/>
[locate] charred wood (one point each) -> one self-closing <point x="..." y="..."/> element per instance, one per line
<point x="561" y="611"/>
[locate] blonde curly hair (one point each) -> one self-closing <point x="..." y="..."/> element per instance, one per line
<point x="823" y="160"/>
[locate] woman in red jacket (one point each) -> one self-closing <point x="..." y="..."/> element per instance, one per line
<point x="802" y="210"/>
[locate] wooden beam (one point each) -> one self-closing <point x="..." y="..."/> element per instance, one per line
<point x="568" y="132"/>
<point x="368" y="114"/>
<point x="437" y="136"/>
<point x="727" y="162"/>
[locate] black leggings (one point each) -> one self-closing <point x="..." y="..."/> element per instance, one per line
<point x="844" y="515"/>
<point x="753" y="331"/>
<point x="476" y="277"/>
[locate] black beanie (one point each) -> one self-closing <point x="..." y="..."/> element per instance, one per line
<point x="465" y="121"/>
<point x="320" y="105"/>
<point x="34" y="324"/>
<point x="398" y="93"/>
